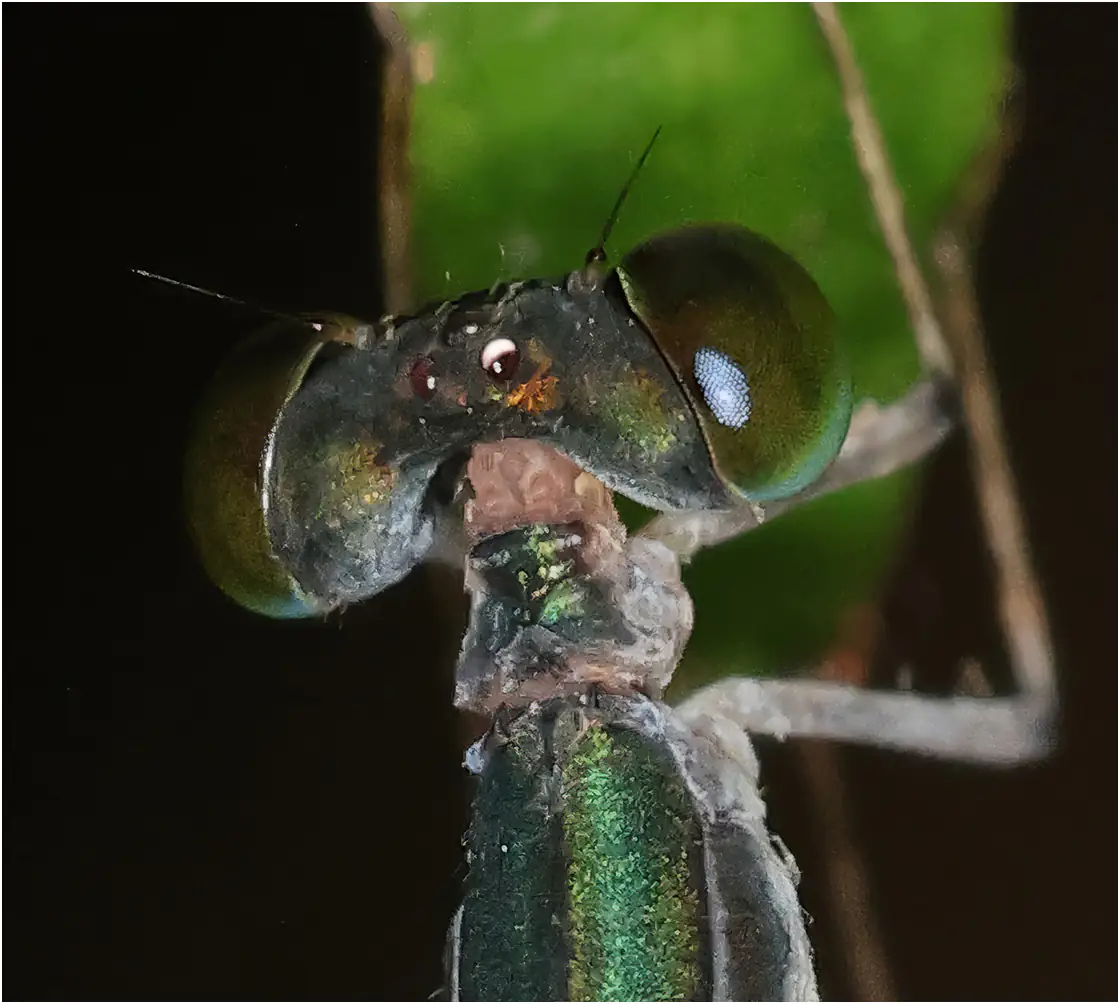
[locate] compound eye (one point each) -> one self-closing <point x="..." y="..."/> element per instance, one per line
<point x="230" y="458"/>
<point x="422" y="377"/>
<point x="753" y="344"/>
<point x="500" y="359"/>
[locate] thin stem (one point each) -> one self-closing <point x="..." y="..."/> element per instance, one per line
<point x="886" y="196"/>
<point x="1021" y="609"/>
<point x="848" y="882"/>
<point x="394" y="205"/>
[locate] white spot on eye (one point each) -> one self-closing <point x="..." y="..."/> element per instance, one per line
<point x="431" y="382"/>
<point x="316" y="325"/>
<point x="724" y="385"/>
<point x="491" y="358"/>
<point x="505" y="848"/>
<point x="470" y="329"/>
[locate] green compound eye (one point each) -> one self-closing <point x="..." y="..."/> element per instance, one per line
<point x="229" y="458"/>
<point x="753" y="342"/>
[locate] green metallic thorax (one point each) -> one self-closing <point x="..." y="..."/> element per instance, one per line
<point x="634" y="906"/>
<point x="586" y="876"/>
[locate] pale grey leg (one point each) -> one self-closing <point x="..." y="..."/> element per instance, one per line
<point x="992" y="730"/>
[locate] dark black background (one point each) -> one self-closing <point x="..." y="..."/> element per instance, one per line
<point x="200" y="804"/>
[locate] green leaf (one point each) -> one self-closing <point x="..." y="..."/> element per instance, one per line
<point x="527" y="119"/>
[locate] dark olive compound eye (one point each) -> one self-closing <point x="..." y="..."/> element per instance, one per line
<point x="500" y="358"/>
<point x="230" y="457"/>
<point x="422" y="378"/>
<point x="753" y="342"/>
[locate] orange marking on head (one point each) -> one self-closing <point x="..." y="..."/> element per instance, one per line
<point x="538" y="393"/>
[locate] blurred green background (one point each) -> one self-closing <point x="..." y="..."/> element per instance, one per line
<point x="526" y="122"/>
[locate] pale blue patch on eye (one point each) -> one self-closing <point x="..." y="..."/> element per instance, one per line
<point x="724" y="386"/>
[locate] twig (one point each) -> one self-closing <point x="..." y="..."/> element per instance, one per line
<point x="846" y="871"/>
<point x="394" y="224"/>
<point x="1021" y="610"/>
<point x="886" y="198"/>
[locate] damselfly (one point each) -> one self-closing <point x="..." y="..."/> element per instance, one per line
<point x="204" y="801"/>
<point x="618" y="849"/>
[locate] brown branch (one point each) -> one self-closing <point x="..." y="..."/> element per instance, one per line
<point x="394" y="204"/>
<point x="1021" y="609"/>
<point x="846" y="871"/>
<point x="886" y="197"/>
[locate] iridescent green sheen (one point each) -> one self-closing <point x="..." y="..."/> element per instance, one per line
<point x="586" y="876"/>
<point x="723" y="288"/>
<point x="566" y="601"/>
<point x="639" y="412"/>
<point x="634" y="909"/>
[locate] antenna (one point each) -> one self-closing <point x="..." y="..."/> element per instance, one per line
<point x="599" y="252"/>
<point x="196" y="289"/>
<point x="248" y="304"/>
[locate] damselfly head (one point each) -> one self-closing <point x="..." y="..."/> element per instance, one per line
<point x="703" y="369"/>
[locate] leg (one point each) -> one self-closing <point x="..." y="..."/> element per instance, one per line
<point x="993" y="730"/>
